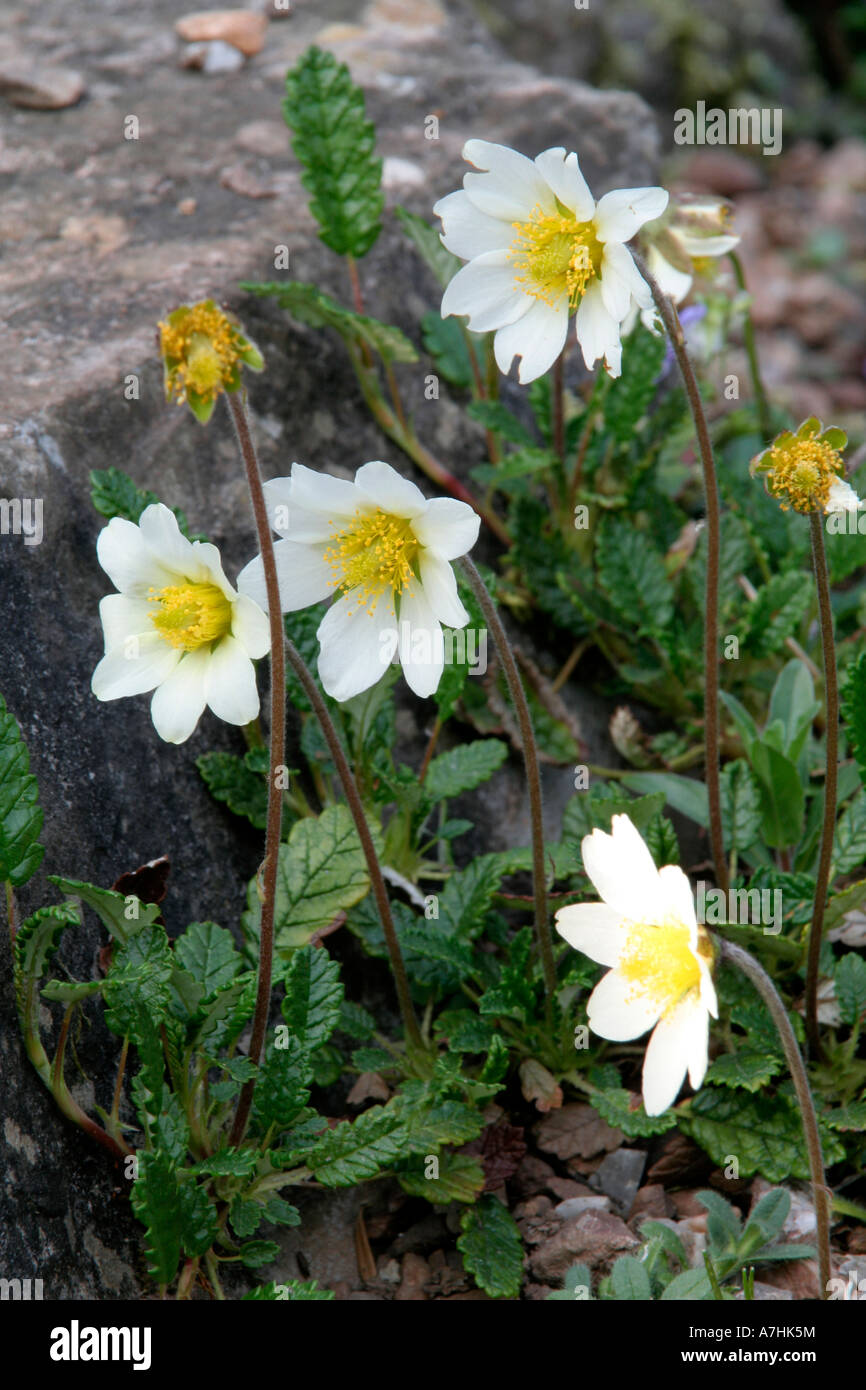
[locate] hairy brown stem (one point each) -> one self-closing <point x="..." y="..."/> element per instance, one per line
<point x="674" y="328"/>
<point x="530" y="757"/>
<point x="768" y="992"/>
<point x="831" y="695"/>
<point x="320" y="709"/>
<point x="277" y="758"/>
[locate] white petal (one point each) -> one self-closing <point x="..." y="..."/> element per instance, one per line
<point x="440" y="590"/>
<point x="449" y="527"/>
<point x="562" y="172"/>
<point x="512" y="188"/>
<point x="622" y="870"/>
<point x="303" y="575"/>
<point x="708" y="990"/>
<point x="179" y="702"/>
<point x="123" y="617"/>
<point x="620" y="272"/>
<point x="842" y="497"/>
<point x="675" y="283"/>
<point x="386" y="488"/>
<point x="422" y="647"/>
<point x="486" y="291"/>
<point x="319" y="492"/>
<point x="707" y="245"/>
<point x="128" y="561"/>
<point x="230" y="683"/>
<point x="597" y="331"/>
<point x="278" y="496"/>
<point x="617" y="1010"/>
<point x="356" y="645"/>
<point x="621" y="213"/>
<point x="135" y="667"/>
<point x="205" y="566"/>
<point x="250" y="626"/>
<point x="676" y="1041"/>
<point x="595" y="929"/>
<point x="538" y="338"/>
<point x="158" y="526"/>
<point x="677" y="898"/>
<point x="467" y="232"/>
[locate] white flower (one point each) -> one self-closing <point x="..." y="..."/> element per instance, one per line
<point x="693" y="229"/>
<point x="842" y="497"/>
<point x="646" y="930"/>
<point x="539" y="247"/>
<point x="383" y="549"/>
<point x="176" y="627"/>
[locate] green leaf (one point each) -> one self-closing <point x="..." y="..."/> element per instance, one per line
<point x="36" y="942"/>
<point x="282" y="1089"/>
<point x="156" y="1203"/>
<point x="137" y="981"/>
<point x="229" y="780"/>
<point x="460" y="1179"/>
<point x="749" y="1070"/>
<point x="465" y="900"/>
<point x="356" y="1021"/>
<point x="335" y="143"/>
<point x="780" y="791"/>
<point x="224" y="1017"/>
<point x="312" y="306"/>
<point x="295" y="1291"/>
<point x="444" y="341"/>
<point x="495" y="416"/>
<point x="428" y="244"/>
<point x="281" y="1213"/>
<point x="690" y="1286"/>
<point x="199" y="1223"/>
<point x="848" y="1117"/>
<point x="767" y="1218"/>
<point x="463" y="768"/>
<point x="630" y="394"/>
<point x="849" y="842"/>
<point x="684" y="794"/>
<point x="20" y="813"/>
<point x="208" y="952"/>
<point x="793" y="703"/>
<point x="71" y="991"/>
<point x="777" y="611"/>
<point x="514" y="468"/>
<point x="229" y="1163"/>
<point x="446" y="1122"/>
<point x="765" y="1134"/>
<point x="245" y="1217"/>
<point x="321" y="871"/>
<point x="741" y="808"/>
<point x="629" y="1280"/>
<point x="256" y="1253"/>
<point x="850" y="978"/>
<point x="314" y="996"/>
<point x="357" y="1149"/>
<point x="121" y="916"/>
<point x="632" y="573"/>
<point x="113" y="493"/>
<point x="854" y="712"/>
<point x="723" y="1223"/>
<point x="615" y="1106"/>
<point x="491" y="1248"/>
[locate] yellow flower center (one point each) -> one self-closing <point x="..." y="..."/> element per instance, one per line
<point x="200" y="351"/>
<point x="802" y="473"/>
<point x="190" y="615"/>
<point x="659" y="961"/>
<point x="376" y="552"/>
<point x="554" y="254"/>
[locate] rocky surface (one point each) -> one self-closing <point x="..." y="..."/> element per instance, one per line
<point x="119" y="207"/>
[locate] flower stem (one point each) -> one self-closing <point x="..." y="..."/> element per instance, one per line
<point x="674" y="328"/>
<point x="752" y="354"/>
<point x="277" y="759"/>
<point x="831" y="695"/>
<point x="530" y="757"/>
<point x="767" y="990"/>
<point x="320" y="709"/>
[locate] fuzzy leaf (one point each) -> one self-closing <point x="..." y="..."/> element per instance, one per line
<point x="765" y="1133"/>
<point x="428" y="244"/>
<point x="113" y="493"/>
<point x="491" y="1248"/>
<point x="156" y="1203"/>
<point x="629" y="1280"/>
<point x="615" y="1106"/>
<point x="460" y="1179"/>
<point x="122" y="916"/>
<point x="231" y="781"/>
<point x="314" y="996"/>
<point x="208" y="952"/>
<point x="335" y="143"/>
<point x="751" y="1071"/>
<point x="849" y="842"/>
<point x="854" y="712"/>
<point x="282" y="1090"/>
<point x="464" y="768"/>
<point x="850" y="978"/>
<point x="20" y="813"/>
<point x="741" y="812"/>
<point x="357" y="1149"/>
<point x="632" y="574"/>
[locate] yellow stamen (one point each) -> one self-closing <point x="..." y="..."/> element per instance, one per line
<point x="555" y="255"/>
<point x="190" y="615"/>
<point x="200" y="350"/>
<point x="376" y="552"/>
<point x="659" y="961"/>
<point x="802" y="472"/>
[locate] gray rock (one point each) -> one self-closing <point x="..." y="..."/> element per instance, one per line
<point x="96" y="250"/>
<point x="619" y="1175"/>
<point x="595" y="1237"/>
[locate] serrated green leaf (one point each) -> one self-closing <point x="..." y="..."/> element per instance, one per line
<point x="690" y="1286"/>
<point x="628" y="397"/>
<point x="71" y="991"/>
<point x="777" y="611"/>
<point x="37" y="940"/>
<point x="848" y="1117"/>
<point x="749" y="1070"/>
<point x="255" y="1253"/>
<point x="850" y="979"/>
<point x="321" y="871"/>
<point x="463" y="768"/>
<point x="199" y="1223"/>
<point x="444" y="341"/>
<point x="335" y="143"/>
<point x="357" y="1149"/>
<point x="633" y="576"/>
<point x="245" y="1217"/>
<point x="224" y="1017"/>
<point x="228" y="779"/>
<point x="138" y="982"/>
<point x="741" y="807"/>
<point x="445" y="1122"/>
<point x="615" y="1106"/>
<point x="496" y="416"/>
<point x="208" y="952"/>
<point x="282" y="1089"/>
<point x="356" y="1021"/>
<point x="113" y="493"/>
<point x="281" y="1213"/>
<point x="156" y="1203"/>
<point x="849" y="842"/>
<point x="312" y="306"/>
<point x="122" y="916"/>
<point x="314" y="996"/>
<point x="20" y="813"/>
<point x="460" y="1178"/>
<point x="491" y="1248"/>
<point x="854" y="712"/>
<point x="629" y="1280"/>
<point x="765" y="1134"/>
<point x="684" y="794"/>
<point x="229" y="1163"/>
